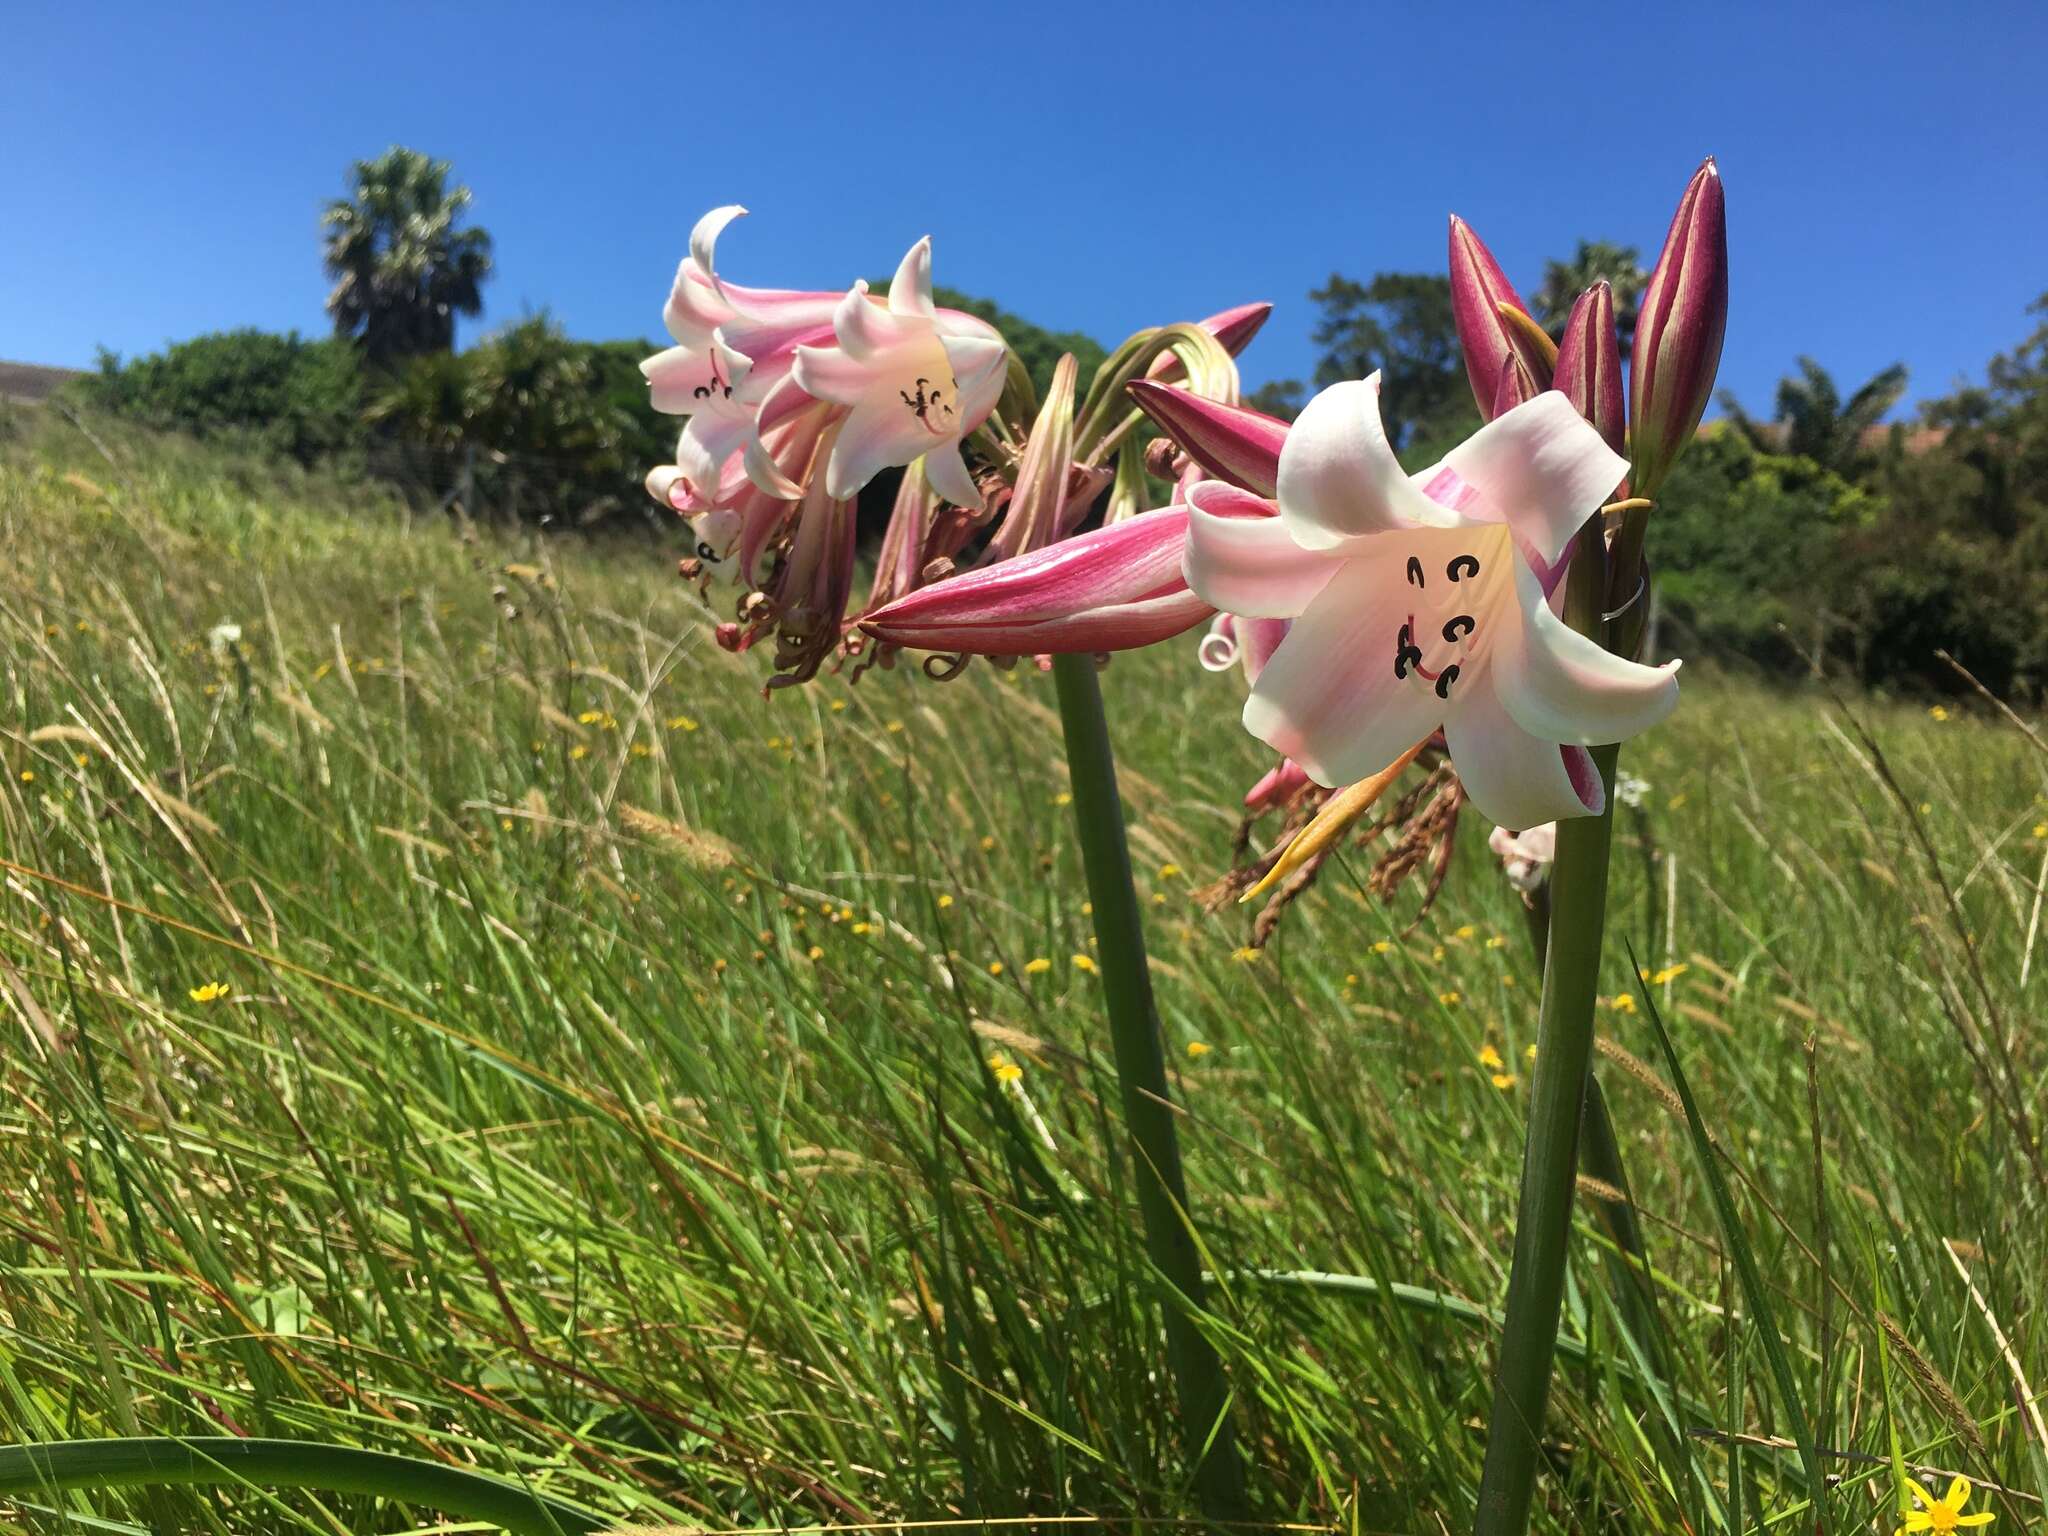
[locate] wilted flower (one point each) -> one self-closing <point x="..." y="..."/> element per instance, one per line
<point x="1418" y="604"/>
<point x="1525" y="856"/>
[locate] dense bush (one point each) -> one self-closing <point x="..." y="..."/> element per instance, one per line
<point x="299" y="398"/>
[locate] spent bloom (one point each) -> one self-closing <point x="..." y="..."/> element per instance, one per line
<point x="1525" y="856"/>
<point x="1420" y="603"/>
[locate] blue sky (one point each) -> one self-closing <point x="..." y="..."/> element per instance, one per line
<point x="1092" y="166"/>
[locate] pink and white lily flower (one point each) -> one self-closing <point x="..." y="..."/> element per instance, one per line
<point x="1418" y="604"/>
<point x="734" y="346"/>
<point x="914" y="379"/>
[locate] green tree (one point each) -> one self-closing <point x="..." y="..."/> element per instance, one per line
<point x="403" y="267"/>
<point x="1812" y="421"/>
<point x="1619" y="266"/>
<point x="1401" y="325"/>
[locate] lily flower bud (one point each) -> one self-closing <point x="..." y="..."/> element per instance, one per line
<point x="1234" y="443"/>
<point x="1679" y="330"/>
<point x="1482" y="299"/>
<point x="1589" y="366"/>
<point x="1112" y="589"/>
<point x="1234" y="328"/>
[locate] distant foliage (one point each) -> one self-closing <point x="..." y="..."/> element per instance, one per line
<point x="297" y="398"/>
<point x="528" y="424"/>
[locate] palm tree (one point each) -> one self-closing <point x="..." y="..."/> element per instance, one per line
<point x="1619" y="266"/>
<point x="402" y="270"/>
<point x="1813" y="422"/>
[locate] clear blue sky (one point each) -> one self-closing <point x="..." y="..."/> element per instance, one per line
<point x="1092" y="166"/>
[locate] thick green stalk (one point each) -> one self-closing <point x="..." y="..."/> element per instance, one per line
<point x="1543" y="1218"/>
<point x="1141" y="1073"/>
<point x="151" y="1462"/>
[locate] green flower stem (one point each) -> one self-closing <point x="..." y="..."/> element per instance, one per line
<point x="1543" y="1218"/>
<point x="155" y="1462"/>
<point x="1141" y="1073"/>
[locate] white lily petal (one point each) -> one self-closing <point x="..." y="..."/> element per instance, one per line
<point x="946" y="472"/>
<point x="1248" y="563"/>
<point x="1339" y="479"/>
<point x="673" y="375"/>
<point x="767" y="475"/>
<point x="832" y="373"/>
<point x="876" y="435"/>
<point x="709" y="440"/>
<point x="704" y="241"/>
<point x="1562" y="686"/>
<point x="866" y="330"/>
<point x="1328" y="697"/>
<point x="910" y="290"/>
<point x="1514" y="778"/>
<point x="1542" y="468"/>
<point x="980" y="365"/>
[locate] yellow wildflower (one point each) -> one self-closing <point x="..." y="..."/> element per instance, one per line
<point x="1006" y="1070"/>
<point x="1198" y="1049"/>
<point x="945" y="901"/>
<point x="1529" y="1051"/>
<point x="988" y="845"/>
<point x="681" y="723"/>
<point x="212" y="992"/>
<point x="838" y="705"/>
<point x="579" y="752"/>
<point x="1037" y="967"/>
<point x="1087" y="909"/>
<point x="816" y="953"/>
<point x="1169" y="871"/>
<point x="1937" y="713"/>
<point x="1624" y="1002"/>
<point x="1063" y="798"/>
<point x="1943" y="1514"/>
<point x="1496" y="941"/>
<point x="28" y="775"/>
<point x="1448" y="999"/>
<point x="1503" y="1080"/>
<point x="995" y="967"/>
<point x="1466" y="930"/>
<point x="894" y="727"/>
<point x="1490" y="1058"/>
<point x="863" y="928"/>
<point x="2040" y="830"/>
<point x="1382" y="946"/>
<point x="1085" y="963"/>
<point x="1246" y="955"/>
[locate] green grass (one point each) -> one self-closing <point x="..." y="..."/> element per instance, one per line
<point x="600" y="1095"/>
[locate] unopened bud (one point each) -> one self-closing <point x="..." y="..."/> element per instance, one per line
<point x="1679" y="330"/>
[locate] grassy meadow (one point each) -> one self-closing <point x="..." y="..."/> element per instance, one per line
<point x="461" y="1017"/>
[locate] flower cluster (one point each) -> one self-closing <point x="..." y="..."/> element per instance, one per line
<point x="797" y="400"/>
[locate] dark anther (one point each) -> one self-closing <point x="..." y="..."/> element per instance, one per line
<point x="1414" y="572"/>
<point x="1444" y="680"/>
<point x="706" y="552"/>
<point x="922" y="403"/>
<point x="1457" y="628"/>
<point x="1405" y="653"/>
<point x="1470" y="565"/>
